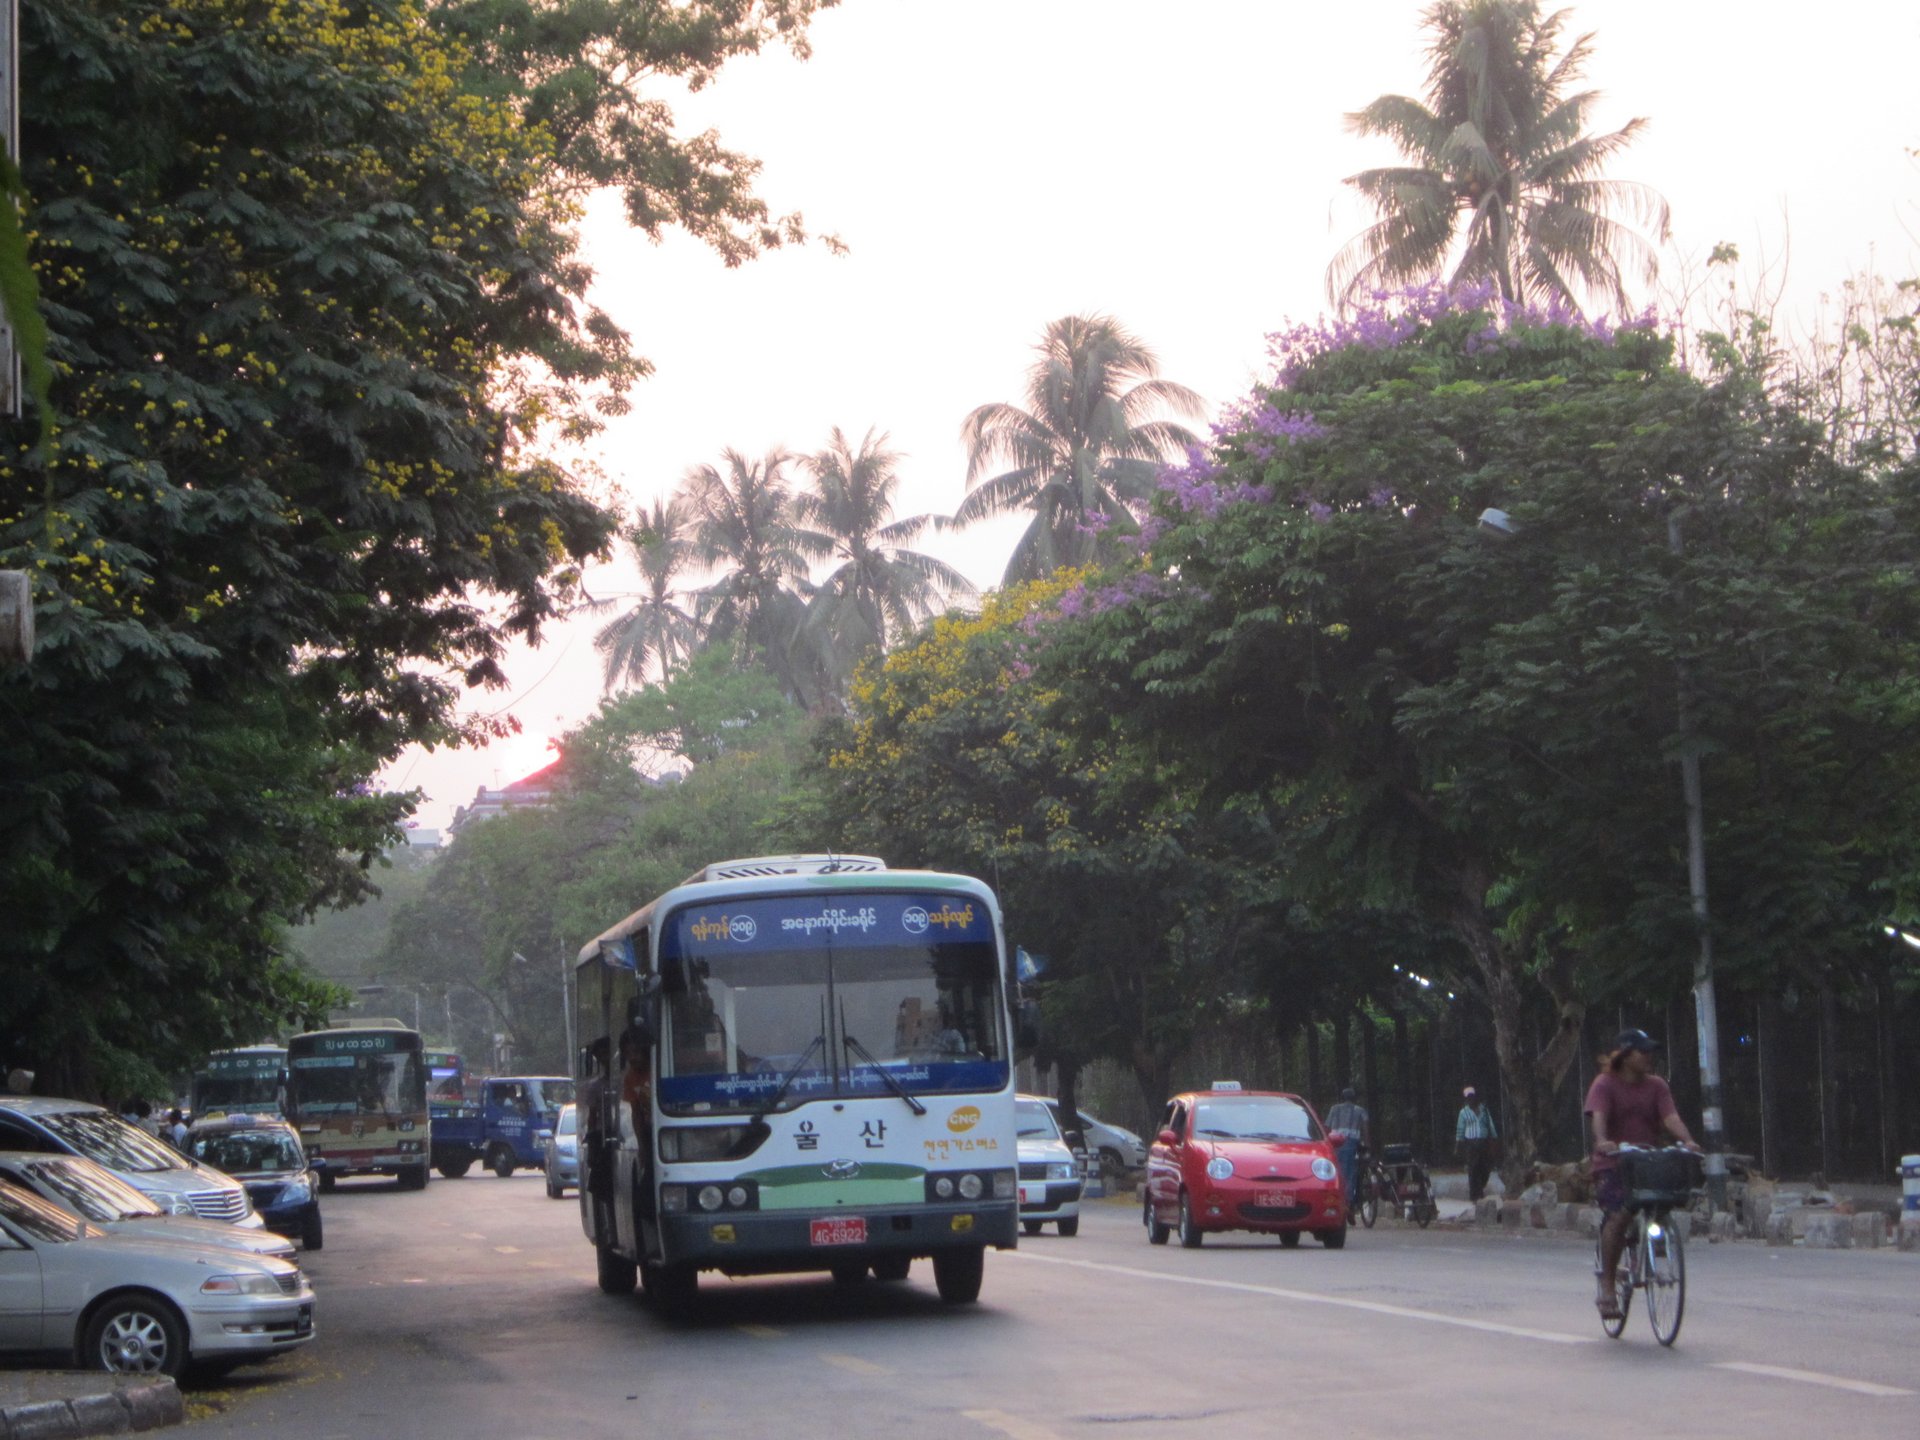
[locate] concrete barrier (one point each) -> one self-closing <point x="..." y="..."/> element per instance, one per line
<point x="1826" y="1231"/>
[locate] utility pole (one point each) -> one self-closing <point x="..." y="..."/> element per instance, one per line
<point x="10" y="137"/>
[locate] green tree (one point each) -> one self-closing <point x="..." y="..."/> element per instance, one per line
<point x="1500" y="171"/>
<point x="289" y="509"/>
<point x="1083" y="453"/>
<point x="1482" y="734"/>
<point x="878" y="589"/>
<point x="659" y="631"/>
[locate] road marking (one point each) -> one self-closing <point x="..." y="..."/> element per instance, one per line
<point x="1812" y="1377"/>
<point x="856" y="1365"/>
<point x="760" y="1332"/>
<point x="508" y="1249"/>
<point x="1309" y="1297"/>
<point x="1010" y="1425"/>
<point x="472" y="1235"/>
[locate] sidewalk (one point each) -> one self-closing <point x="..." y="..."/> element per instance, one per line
<point x="66" y="1404"/>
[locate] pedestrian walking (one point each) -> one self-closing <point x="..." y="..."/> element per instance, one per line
<point x="1476" y="1140"/>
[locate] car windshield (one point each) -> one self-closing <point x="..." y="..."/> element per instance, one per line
<point x="1035" y="1119"/>
<point x="83" y="1186"/>
<point x="569" y="1119"/>
<point x="249" y="1152"/>
<point x="110" y="1141"/>
<point x="1255" y="1117"/>
<point x="36" y="1218"/>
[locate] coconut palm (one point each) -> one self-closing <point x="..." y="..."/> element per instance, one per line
<point x="878" y="588"/>
<point x="1084" y="452"/>
<point x="744" y="526"/>
<point x="659" y="631"/>
<point x="1499" y="171"/>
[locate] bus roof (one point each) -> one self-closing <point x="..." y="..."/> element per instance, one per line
<point x="773" y="874"/>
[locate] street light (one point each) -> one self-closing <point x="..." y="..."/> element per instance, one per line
<point x="1705" y="1009"/>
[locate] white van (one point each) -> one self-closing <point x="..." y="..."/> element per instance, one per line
<point x="175" y="1183"/>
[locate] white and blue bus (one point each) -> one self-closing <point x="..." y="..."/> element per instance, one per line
<point x="826" y="1080"/>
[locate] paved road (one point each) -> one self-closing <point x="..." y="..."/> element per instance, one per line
<point x="469" y="1310"/>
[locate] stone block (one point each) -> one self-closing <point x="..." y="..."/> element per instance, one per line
<point x="1780" y="1228"/>
<point x="101" y="1414"/>
<point x="1910" y="1238"/>
<point x="1486" y="1210"/>
<point x="1869" y="1230"/>
<point x="42" y="1420"/>
<point x="1591" y="1219"/>
<point x="1828" y="1232"/>
<point x="154" y="1404"/>
<point x="1543" y="1193"/>
<point x="1722" y="1227"/>
<point x="1512" y="1214"/>
<point x="1567" y="1216"/>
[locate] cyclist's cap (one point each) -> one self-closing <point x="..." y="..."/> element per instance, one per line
<point x="1468" y="1093"/>
<point x="1636" y="1040"/>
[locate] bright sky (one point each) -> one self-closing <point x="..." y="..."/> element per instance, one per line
<point x="997" y="164"/>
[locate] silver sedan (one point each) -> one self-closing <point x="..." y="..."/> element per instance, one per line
<point x="138" y="1306"/>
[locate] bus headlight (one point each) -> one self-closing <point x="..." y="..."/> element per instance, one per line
<point x="970" y="1186"/>
<point x="710" y="1197"/>
<point x="737" y="1197"/>
<point x="943" y="1187"/>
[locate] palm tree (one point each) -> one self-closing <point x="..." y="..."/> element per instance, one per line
<point x="744" y="525"/>
<point x="878" y="589"/>
<point x="659" y="631"/>
<point x="1085" y="450"/>
<point x="1499" y="146"/>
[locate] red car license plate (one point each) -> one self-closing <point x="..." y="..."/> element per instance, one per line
<point x="851" y="1231"/>
<point x="1275" y="1197"/>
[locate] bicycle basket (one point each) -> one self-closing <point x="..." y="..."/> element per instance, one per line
<point x="1397" y="1155"/>
<point x="1660" y="1177"/>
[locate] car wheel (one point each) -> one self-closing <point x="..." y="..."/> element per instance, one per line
<point x="1332" y="1239"/>
<point x="957" y="1274"/>
<point x="310" y="1233"/>
<point x="892" y="1267"/>
<point x="136" y="1335"/>
<point x="1156" y="1232"/>
<point x="454" y="1169"/>
<point x="1032" y="1227"/>
<point x="327" y="1181"/>
<point x="554" y="1189"/>
<point x="1290" y="1239"/>
<point x="502" y="1162"/>
<point x="1069" y="1227"/>
<point x="1111" y="1164"/>
<point x="1190" y="1235"/>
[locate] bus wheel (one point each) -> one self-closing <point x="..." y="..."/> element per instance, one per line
<point x="617" y="1273"/>
<point x="454" y="1169"/>
<point x="414" y="1177"/>
<point x="502" y="1163"/>
<point x="957" y="1274"/>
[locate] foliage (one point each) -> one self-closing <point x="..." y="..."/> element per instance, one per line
<point x="1482" y="734"/>
<point x="585" y="73"/>
<point x="308" y="302"/>
<point x="659" y="631"/>
<point x="1499" y="145"/>
<point x="1084" y="452"/>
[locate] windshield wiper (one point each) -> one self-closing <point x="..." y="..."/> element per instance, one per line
<point x="786" y="1081"/>
<point x="892" y="1084"/>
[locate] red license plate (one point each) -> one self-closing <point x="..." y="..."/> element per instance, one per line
<point x="1275" y="1197"/>
<point x="851" y="1231"/>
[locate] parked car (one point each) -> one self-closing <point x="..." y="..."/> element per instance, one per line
<point x="177" y="1184"/>
<point x="1049" y="1175"/>
<point x="563" y="1152"/>
<point x="264" y="1155"/>
<point x="138" y="1306"/>
<point x="94" y="1193"/>
<point x="1115" y="1149"/>
<point x="1233" y="1159"/>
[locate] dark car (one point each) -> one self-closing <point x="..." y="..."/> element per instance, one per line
<point x="264" y="1155"/>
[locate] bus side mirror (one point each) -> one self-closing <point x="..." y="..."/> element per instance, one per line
<point x="640" y="1013"/>
<point x="1026" y="1025"/>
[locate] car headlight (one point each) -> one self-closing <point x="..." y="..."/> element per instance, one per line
<point x="1220" y="1168"/>
<point x="1325" y="1169"/>
<point x="240" y="1285"/>
<point x="169" y="1202"/>
<point x="1060" y="1170"/>
<point x="297" y="1193"/>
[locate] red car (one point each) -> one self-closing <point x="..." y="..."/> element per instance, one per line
<point x="1233" y="1159"/>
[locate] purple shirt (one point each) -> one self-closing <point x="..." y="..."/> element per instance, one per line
<point x="1635" y="1114"/>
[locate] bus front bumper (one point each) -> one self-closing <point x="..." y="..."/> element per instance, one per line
<point x="758" y="1242"/>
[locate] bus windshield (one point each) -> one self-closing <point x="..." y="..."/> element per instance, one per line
<point x="781" y="1001"/>
<point x="240" y="1081"/>
<point x="361" y="1072"/>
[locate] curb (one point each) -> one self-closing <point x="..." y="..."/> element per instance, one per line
<point x="125" y="1409"/>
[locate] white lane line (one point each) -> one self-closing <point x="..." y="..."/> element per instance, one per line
<point x="1011" y="1425"/>
<point x="1308" y="1297"/>
<point x="856" y="1364"/>
<point x="1812" y="1377"/>
<point x="508" y="1249"/>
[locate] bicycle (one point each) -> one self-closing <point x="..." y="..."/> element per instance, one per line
<point x="1396" y="1179"/>
<point x="1653" y="1254"/>
<point x="1373" y="1184"/>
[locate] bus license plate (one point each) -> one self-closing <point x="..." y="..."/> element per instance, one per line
<point x="851" y="1231"/>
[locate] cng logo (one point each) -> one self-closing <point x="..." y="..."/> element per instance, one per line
<point x="963" y="1119"/>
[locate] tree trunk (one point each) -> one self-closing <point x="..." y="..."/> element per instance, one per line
<point x="1369" y="1068"/>
<point x="1829" y="1078"/>
<point x="1403" y="1078"/>
<point x="1313" y="1058"/>
<point x="1342" y="1058"/>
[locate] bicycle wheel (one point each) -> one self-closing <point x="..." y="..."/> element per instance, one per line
<point x="1665" y="1270"/>
<point x="1622" y="1280"/>
<point x="1369" y="1196"/>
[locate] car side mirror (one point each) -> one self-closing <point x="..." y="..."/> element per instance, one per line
<point x="1166" y="1137"/>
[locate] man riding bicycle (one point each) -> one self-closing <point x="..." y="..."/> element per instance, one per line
<point x="1628" y="1105"/>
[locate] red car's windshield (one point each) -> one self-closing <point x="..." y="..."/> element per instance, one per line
<point x="1254" y="1117"/>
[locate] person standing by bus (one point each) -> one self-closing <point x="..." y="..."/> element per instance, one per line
<point x="593" y="1124"/>
<point x="636" y="1092"/>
